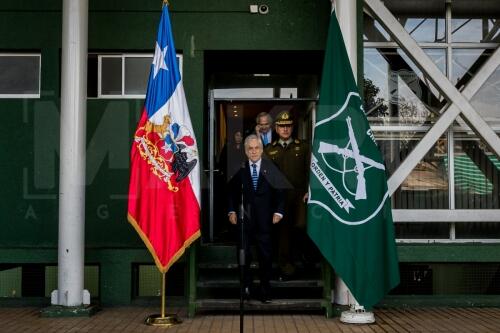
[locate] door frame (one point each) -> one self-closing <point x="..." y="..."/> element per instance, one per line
<point x="212" y="100"/>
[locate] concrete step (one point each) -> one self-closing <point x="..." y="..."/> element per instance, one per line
<point x="256" y="305"/>
<point x="230" y="283"/>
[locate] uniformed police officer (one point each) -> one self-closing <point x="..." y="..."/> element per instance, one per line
<point x="292" y="157"/>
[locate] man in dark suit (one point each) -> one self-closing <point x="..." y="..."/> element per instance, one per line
<point x="261" y="185"/>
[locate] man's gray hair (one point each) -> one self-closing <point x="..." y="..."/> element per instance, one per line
<point x="264" y="114"/>
<point x="253" y="137"/>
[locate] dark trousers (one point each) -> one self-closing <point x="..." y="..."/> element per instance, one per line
<point x="262" y="241"/>
<point x="291" y="232"/>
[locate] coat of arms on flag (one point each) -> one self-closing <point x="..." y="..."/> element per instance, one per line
<point x="164" y="191"/>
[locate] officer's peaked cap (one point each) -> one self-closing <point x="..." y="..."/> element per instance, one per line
<point x="284" y="118"/>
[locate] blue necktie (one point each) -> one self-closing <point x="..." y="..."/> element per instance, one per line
<point x="255" y="176"/>
<point x="264" y="139"/>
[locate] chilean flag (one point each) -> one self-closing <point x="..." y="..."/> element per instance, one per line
<point x="164" y="191"/>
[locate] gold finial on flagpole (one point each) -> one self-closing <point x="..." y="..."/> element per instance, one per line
<point x="162" y="319"/>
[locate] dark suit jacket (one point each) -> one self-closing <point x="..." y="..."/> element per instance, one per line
<point x="260" y="204"/>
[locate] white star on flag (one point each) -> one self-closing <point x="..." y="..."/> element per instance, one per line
<point x="159" y="59"/>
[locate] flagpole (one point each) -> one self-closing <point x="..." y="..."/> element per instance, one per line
<point x="162" y="319"/>
<point x="164" y="82"/>
<point x="346" y="13"/>
<point x="162" y="295"/>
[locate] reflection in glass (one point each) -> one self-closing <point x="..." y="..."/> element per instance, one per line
<point x="111" y="76"/>
<point x="429" y="29"/>
<point x="487" y="100"/>
<point x="475" y="21"/>
<point x="19" y="74"/>
<point x="373" y="31"/>
<point x="424" y="20"/>
<point x="475" y="30"/>
<point x="136" y="75"/>
<point x="438" y="56"/>
<point x="427" y="185"/>
<point x="482" y="230"/>
<point x="434" y="230"/>
<point x="477" y="174"/>
<point x="465" y="64"/>
<point x="396" y="92"/>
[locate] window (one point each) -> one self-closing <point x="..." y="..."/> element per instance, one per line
<point x="452" y="194"/>
<point x="120" y="75"/>
<point x="20" y="75"/>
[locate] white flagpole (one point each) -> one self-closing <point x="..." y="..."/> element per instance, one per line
<point x="347" y="18"/>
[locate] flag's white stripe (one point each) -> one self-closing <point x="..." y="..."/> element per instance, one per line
<point x="339" y="111"/>
<point x="176" y="108"/>
<point x="329" y="210"/>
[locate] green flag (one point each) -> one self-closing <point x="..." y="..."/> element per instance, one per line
<point x="349" y="210"/>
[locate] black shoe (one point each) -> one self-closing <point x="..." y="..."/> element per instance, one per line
<point x="285" y="277"/>
<point x="266" y="300"/>
<point x="246" y="294"/>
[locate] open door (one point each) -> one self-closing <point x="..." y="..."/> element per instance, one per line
<point x="231" y="119"/>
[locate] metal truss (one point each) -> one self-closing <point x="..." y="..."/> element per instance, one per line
<point x="458" y="104"/>
<point x="458" y="101"/>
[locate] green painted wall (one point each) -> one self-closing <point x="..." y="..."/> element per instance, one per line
<point x="29" y="129"/>
<point x="29" y="139"/>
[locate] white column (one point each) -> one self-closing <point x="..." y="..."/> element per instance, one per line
<point x="347" y="17"/>
<point x="72" y="158"/>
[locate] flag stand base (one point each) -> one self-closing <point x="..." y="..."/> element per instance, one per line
<point x="163" y="321"/>
<point x="357" y="315"/>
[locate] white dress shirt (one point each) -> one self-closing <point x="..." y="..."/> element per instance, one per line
<point x="258" y="163"/>
<point x="257" y="166"/>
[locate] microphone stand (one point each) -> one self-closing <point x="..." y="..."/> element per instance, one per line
<point x="242" y="261"/>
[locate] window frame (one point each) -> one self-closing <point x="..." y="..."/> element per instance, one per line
<point x="123" y="57"/>
<point x="451" y="215"/>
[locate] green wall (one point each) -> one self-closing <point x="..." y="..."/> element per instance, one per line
<point x="29" y="129"/>
<point x="29" y="139"/>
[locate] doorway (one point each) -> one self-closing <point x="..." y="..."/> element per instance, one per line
<point x="232" y="117"/>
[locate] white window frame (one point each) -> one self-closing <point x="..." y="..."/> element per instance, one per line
<point x="39" y="55"/>
<point x="459" y="104"/>
<point x="124" y="56"/>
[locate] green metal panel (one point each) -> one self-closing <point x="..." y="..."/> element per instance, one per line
<point x="472" y="252"/>
<point x="115" y="265"/>
<point x="415" y="301"/>
<point x="10" y="282"/>
<point x="90" y="278"/>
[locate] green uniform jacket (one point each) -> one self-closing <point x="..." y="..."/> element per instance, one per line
<point x="293" y="161"/>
